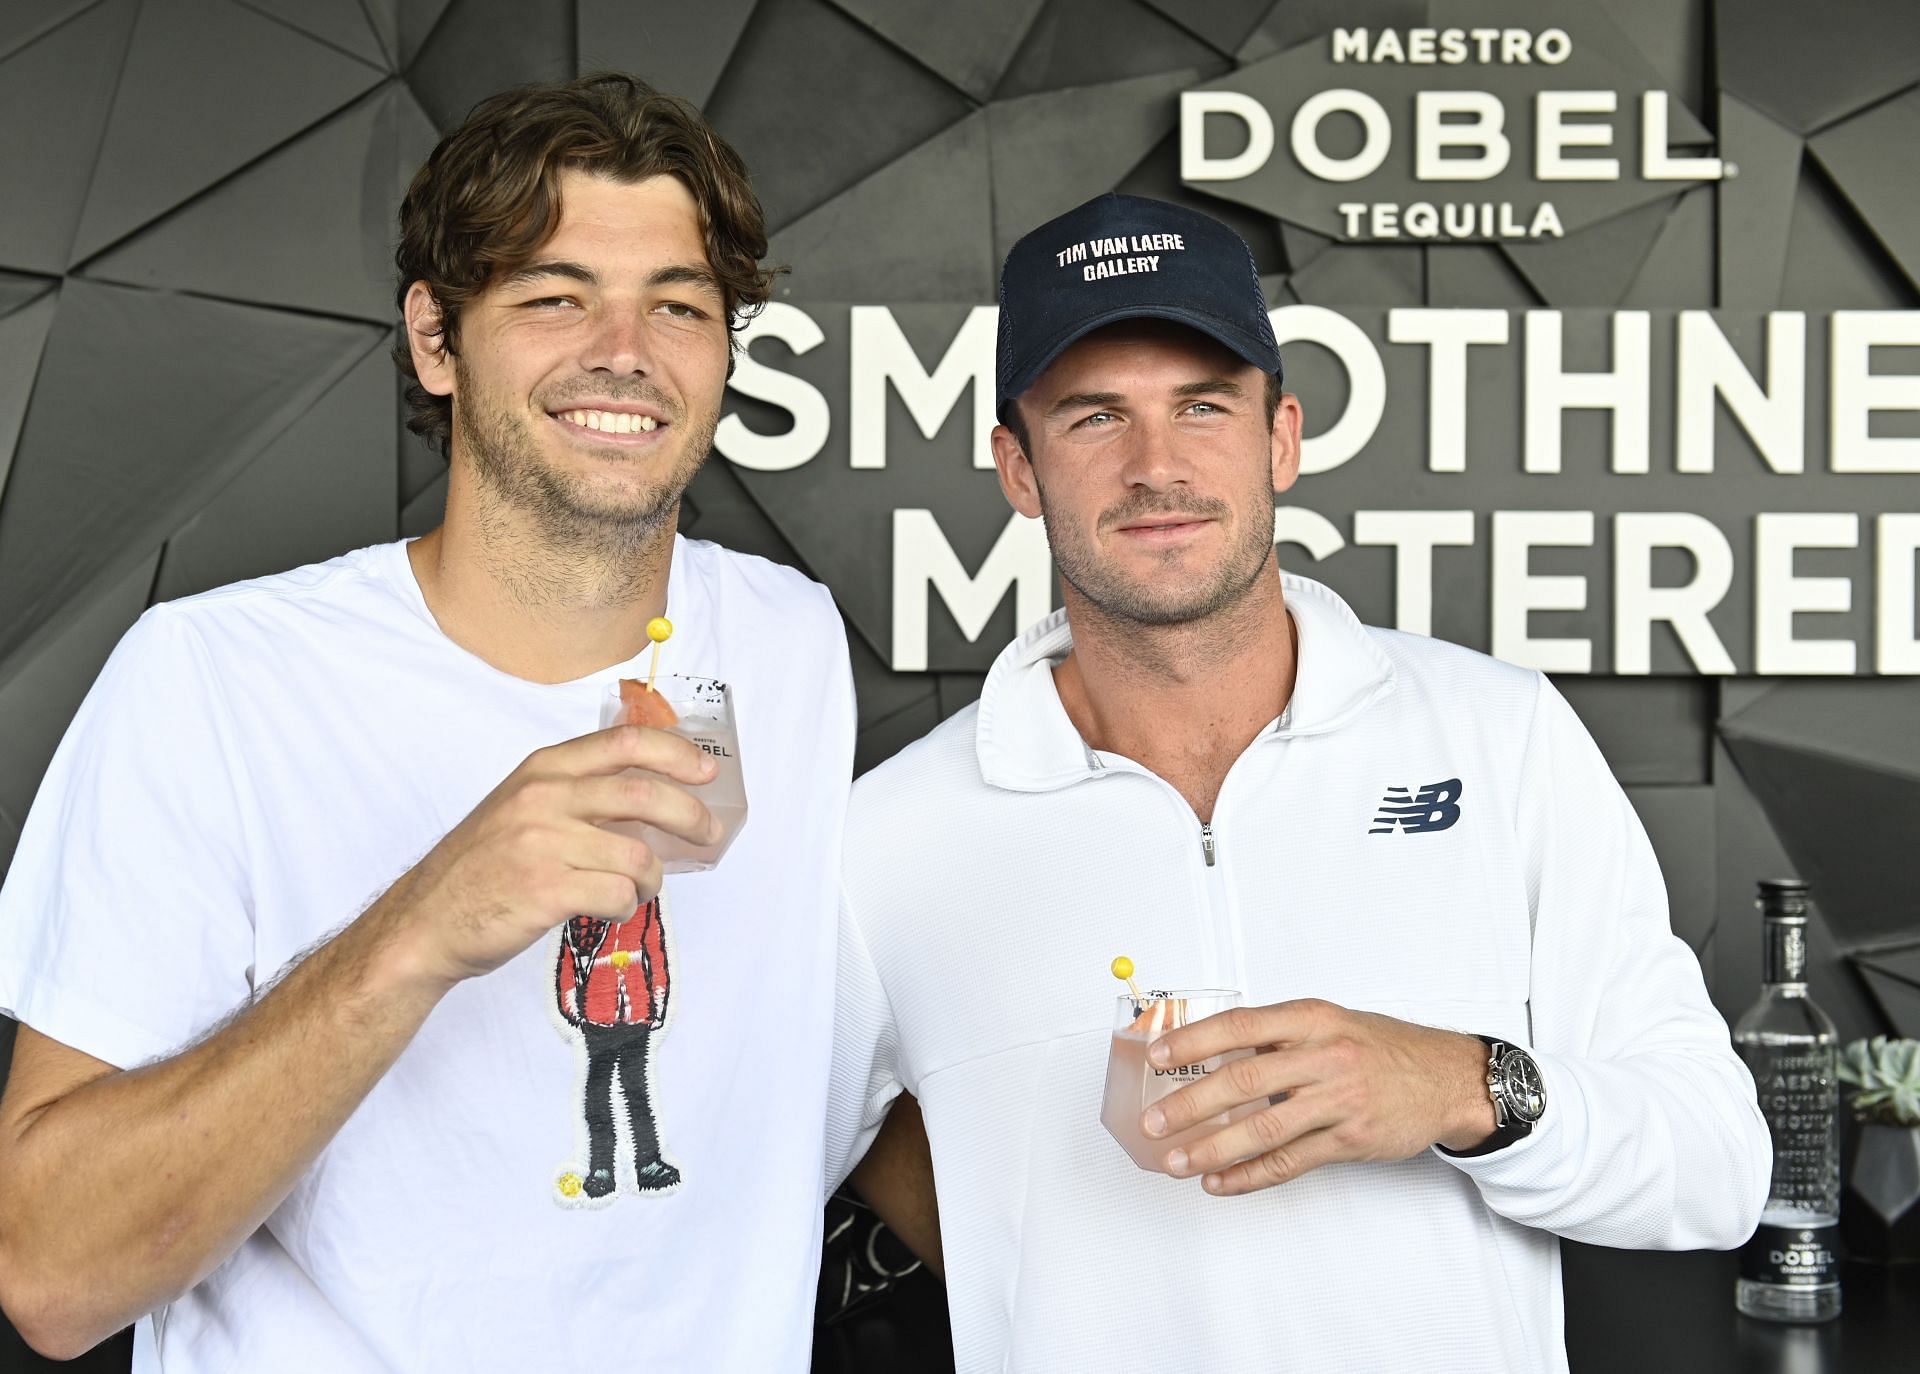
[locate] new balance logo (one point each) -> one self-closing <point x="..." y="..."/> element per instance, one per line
<point x="1433" y="807"/>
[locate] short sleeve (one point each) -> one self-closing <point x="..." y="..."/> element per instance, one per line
<point x="866" y="1076"/>
<point x="126" y="922"/>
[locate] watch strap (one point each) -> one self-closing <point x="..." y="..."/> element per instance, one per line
<point x="1509" y="1129"/>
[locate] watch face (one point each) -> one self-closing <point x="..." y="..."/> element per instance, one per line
<point x="1520" y="1086"/>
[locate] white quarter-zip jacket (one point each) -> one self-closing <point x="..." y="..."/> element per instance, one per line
<point x="1425" y="833"/>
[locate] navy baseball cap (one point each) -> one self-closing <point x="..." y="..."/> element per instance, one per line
<point x="1126" y="258"/>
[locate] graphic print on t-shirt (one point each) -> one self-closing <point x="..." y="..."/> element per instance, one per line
<point x="612" y="985"/>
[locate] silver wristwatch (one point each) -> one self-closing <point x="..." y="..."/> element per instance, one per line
<point x="1519" y="1096"/>
<point x="1513" y="1082"/>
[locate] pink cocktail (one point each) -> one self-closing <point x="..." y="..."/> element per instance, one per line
<point x="1134" y="1083"/>
<point x="704" y="711"/>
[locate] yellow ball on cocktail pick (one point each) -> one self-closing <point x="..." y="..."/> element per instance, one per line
<point x="1123" y="969"/>
<point x="659" y="630"/>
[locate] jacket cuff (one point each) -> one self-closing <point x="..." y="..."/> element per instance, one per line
<point x="1547" y="1157"/>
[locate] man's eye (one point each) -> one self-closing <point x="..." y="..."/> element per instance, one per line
<point x="680" y="310"/>
<point x="1203" y="408"/>
<point x="549" y="302"/>
<point x="1098" y="419"/>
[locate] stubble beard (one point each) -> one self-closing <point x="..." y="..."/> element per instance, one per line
<point x="566" y="513"/>
<point x="1129" y="600"/>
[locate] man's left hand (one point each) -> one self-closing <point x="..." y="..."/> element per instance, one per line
<point x="1357" y="1086"/>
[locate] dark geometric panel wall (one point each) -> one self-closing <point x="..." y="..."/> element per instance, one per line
<point x="195" y="304"/>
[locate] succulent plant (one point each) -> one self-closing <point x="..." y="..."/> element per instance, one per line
<point x="1885" y="1075"/>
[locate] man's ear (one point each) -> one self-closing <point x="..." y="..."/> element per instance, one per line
<point x="426" y="340"/>
<point x="1287" y="419"/>
<point x="1016" y="472"/>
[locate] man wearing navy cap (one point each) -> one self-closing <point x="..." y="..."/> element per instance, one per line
<point x="1466" y="1028"/>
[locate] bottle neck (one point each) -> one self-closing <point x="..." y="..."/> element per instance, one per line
<point x="1783" y="953"/>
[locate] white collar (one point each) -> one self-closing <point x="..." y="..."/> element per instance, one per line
<point x="1026" y="743"/>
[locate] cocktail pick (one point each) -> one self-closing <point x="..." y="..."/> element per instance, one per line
<point x="659" y="630"/>
<point x="1123" y="969"/>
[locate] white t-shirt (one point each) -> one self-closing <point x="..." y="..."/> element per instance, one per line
<point x="253" y="767"/>
<point x="996" y="867"/>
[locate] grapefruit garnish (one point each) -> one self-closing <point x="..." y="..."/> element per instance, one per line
<point x="642" y="705"/>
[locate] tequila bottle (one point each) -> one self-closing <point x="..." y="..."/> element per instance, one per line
<point x="1788" y="1271"/>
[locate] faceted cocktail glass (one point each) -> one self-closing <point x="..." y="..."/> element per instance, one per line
<point x="1134" y="1083"/>
<point x="705" y="710"/>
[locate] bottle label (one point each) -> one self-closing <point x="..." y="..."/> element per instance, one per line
<point x="1799" y="1097"/>
<point x="1790" y="1256"/>
<point x="1783" y="950"/>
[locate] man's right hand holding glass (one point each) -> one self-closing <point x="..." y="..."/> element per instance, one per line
<point x="534" y="853"/>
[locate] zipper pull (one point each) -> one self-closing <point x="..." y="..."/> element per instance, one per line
<point x="1206" y="842"/>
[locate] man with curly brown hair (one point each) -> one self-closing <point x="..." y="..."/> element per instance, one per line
<point x="292" y="1089"/>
